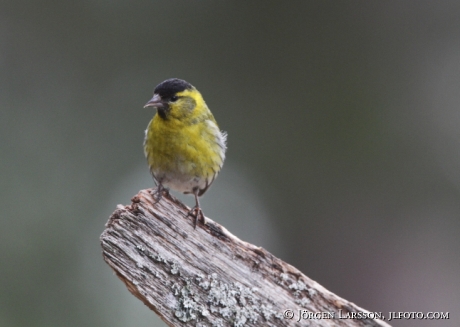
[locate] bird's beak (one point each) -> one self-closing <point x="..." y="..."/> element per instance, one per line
<point x="155" y="102"/>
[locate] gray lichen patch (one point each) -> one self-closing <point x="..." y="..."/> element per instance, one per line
<point x="268" y="312"/>
<point x="282" y="279"/>
<point x="187" y="307"/>
<point x="175" y="268"/>
<point x="208" y="299"/>
<point x="155" y="257"/>
<point x="302" y="293"/>
<point x="298" y="287"/>
<point x="232" y="301"/>
<point x="303" y="302"/>
<point x="218" y="323"/>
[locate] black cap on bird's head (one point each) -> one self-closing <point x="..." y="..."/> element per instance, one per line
<point x="171" y="86"/>
<point x="165" y="92"/>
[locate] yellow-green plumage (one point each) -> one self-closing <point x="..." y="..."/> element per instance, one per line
<point x="184" y="147"/>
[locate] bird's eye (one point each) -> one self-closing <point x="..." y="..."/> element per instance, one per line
<point x="174" y="98"/>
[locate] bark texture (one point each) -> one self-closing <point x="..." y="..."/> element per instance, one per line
<point x="209" y="277"/>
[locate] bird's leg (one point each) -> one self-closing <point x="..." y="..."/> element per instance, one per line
<point x="157" y="194"/>
<point x="196" y="211"/>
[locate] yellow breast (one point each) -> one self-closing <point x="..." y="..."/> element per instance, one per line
<point x="184" y="155"/>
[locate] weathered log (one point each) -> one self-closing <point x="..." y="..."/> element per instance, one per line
<point x="208" y="277"/>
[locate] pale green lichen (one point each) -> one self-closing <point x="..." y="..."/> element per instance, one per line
<point x="187" y="307"/>
<point x="224" y="304"/>
<point x="155" y="257"/>
<point x="303" y="302"/>
<point x="234" y="302"/>
<point x="229" y="302"/>
<point x="282" y="279"/>
<point x="219" y="322"/>
<point x="300" y="288"/>
<point x="268" y="312"/>
<point x="175" y="268"/>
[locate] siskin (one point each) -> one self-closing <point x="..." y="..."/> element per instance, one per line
<point x="185" y="148"/>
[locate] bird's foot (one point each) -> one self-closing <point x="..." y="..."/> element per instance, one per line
<point x="157" y="193"/>
<point x="196" y="213"/>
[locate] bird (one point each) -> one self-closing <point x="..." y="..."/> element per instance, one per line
<point x="184" y="147"/>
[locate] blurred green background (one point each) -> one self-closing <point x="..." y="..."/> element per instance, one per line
<point x="343" y="150"/>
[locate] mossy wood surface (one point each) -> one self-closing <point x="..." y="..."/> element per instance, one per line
<point x="207" y="276"/>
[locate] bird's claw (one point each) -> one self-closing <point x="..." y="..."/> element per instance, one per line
<point x="157" y="193"/>
<point x="196" y="213"/>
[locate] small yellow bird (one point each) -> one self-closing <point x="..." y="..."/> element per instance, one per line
<point x="185" y="148"/>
